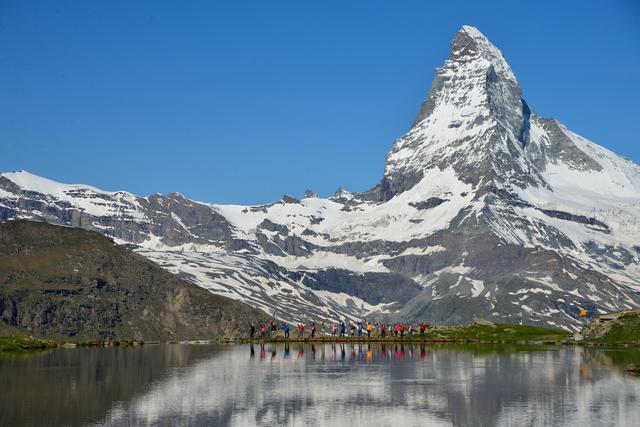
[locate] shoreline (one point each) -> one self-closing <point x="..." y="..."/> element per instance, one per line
<point x="627" y="337"/>
<point x="37" y="345"/>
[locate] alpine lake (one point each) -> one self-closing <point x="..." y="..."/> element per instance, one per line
<point x="321" y="384"/>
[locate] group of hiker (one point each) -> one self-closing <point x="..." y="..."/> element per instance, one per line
<point x="343" y="329"/>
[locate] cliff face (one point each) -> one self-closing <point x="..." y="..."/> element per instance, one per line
<point x="63" y="282"/>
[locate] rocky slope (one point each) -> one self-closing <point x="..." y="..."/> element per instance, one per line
<point x="485" y="209"/>
<point x="62" y="282"/>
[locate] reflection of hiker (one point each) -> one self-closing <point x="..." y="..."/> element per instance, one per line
<point x="252" y="330"/>
<point x="313" y="329"/>
<point x="286" y="330"/>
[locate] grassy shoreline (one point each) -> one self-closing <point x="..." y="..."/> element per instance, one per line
<point x="24" y="344"/>
<point x="481" y="334"/>
<point x="468" y="334"/>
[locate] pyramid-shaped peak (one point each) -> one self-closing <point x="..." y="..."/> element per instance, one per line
<point x="472" y="32"/>
<point x="470" y="44"/>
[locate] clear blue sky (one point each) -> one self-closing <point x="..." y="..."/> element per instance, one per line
<point x="244" y="101"/>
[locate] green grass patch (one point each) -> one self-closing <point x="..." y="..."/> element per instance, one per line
<point x="501" y="332"/>
<point x="625" y="330"/>
<point x="24" y="344"/>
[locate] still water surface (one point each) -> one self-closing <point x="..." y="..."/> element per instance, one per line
<point x="328" y="384"/>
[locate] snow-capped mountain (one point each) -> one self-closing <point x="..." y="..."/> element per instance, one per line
<point x="485" y="209"/>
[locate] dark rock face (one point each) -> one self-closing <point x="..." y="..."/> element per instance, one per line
<point x="309" y="194"/>
<point x="430" y="203"/>
<point x="65" y="282"/>
<point x="290" y="199"/>
<point x="272" y="226"/>
<point x="560" y="148"/>
<point x="575" y="218"/>
<point x="373" y="288"/>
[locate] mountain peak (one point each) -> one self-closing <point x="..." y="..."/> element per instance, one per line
<point x="470" y="44"/>
<point x="473" y="119"/>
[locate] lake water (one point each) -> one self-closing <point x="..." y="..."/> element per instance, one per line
<point x="335" y="385"/>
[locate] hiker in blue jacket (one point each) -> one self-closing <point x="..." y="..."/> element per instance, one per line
<point x="286" y="330"/>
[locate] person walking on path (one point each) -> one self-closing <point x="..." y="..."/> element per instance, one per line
<point x="263" y="330"/>
<point x="313" y="329"/>
<point x="252" y="330"/>
<point x="274" y="329"/>
<point x="423" y="326"/>
<point x="286" y="330"/>
<point x="383" y="330"/>
<point x="353" y="330"/>
<point x="369" y="329"/>
<point x="343" y="329"/>
<point x="334" y="328"/>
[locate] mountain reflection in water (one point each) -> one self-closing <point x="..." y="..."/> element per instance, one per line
<point x="330" y="384"/>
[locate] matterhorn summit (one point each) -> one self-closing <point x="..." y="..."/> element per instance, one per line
<point x="484" y="209"/>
